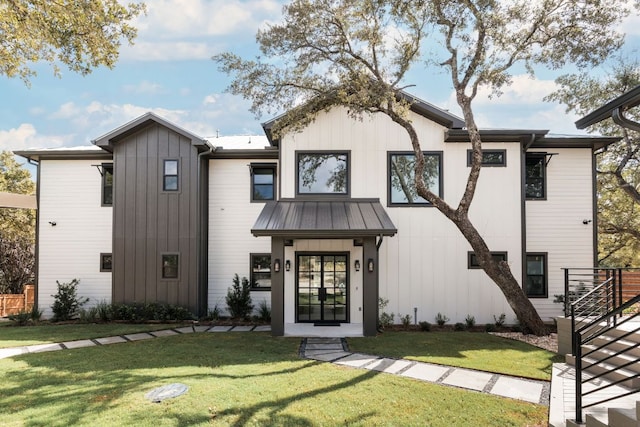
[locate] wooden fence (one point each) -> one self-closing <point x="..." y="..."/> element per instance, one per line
<point x="15" y="303"/>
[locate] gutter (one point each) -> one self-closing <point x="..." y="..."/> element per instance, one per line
<point x="619" y="118"/>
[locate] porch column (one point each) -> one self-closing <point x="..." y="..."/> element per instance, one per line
<point x="277" y="287"/>
<point x="370" y="288"/>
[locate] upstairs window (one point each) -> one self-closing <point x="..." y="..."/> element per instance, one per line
<point x="402" y="187"/>
<point x="323" y="173"/>
<point x="490" y="158"/>
<point x="170" y="175"/>
<point x="107" y="184"/>
<point x="106" y="262"/>
<point x="535" y="185"/>
<point x="263" y="179"/>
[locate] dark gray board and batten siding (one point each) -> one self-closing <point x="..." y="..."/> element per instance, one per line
<point x="149" y="222"/>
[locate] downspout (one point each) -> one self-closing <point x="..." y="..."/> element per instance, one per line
<point x="202" y="248"/>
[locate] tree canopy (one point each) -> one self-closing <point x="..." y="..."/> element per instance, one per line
<point x="82" y="35"/>
<point x="618" y="166"/>
<point x="356" y="54"/>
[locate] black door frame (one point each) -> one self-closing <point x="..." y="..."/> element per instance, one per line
<point x="347" y="285"/>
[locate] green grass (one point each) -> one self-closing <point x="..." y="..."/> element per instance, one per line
<point x="473" y="350"/>
<point x="234" y="379"/>
<point x="18" y="336"/>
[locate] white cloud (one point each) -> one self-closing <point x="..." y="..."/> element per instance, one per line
<point x="523" y="90"/>
<point x="144" y="87"/>
<point x="196" y="29"/>
<point x="26" y="136"/>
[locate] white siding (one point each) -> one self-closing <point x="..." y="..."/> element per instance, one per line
<point x="555" y="225"/>
<point x="425" y="264"/>
<point x="70" y="196"/>
<point x="231" y="217"/>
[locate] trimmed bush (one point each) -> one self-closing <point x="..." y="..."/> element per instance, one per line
<point x="239" y="298"/>
<point x="67" y="304"/>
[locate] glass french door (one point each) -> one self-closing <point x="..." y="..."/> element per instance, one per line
<point x="322" y="288"/>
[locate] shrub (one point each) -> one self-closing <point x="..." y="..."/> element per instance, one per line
<point x="26" y="317"/>
<point x="239" y="298"/>
<point x="406" y="321"/>
<point x="213" y="314"/>
<point x="499" y="321"/>
<point x="458" y="326"/>
<point x="105" y="311"/>
<point x="88" y="315"/>
<point x="67" y="304"/>
<point x="264" y="311"/>
<point x="425" y="326"/>
<point x="470" y="321"/>
<point x="385" y="319"/>
<point x="441" y="319"/>
<point x="490" y="327"/>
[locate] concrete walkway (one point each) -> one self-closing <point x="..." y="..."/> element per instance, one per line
<point x="335" y="350"/>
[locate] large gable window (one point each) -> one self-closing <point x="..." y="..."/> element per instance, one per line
<point x="535" y="186"/>
<point x="323" y="173"/>
<point x="402" y="187"/>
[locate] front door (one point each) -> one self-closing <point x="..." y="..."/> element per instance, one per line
<point x="322" y="288"/>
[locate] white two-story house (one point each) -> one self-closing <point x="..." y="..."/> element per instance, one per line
<point x="323" y="221"/>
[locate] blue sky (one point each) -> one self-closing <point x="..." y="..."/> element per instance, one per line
<point x="169" y="71"/>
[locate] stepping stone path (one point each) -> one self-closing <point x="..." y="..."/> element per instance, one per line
<point x="335" y="350"/>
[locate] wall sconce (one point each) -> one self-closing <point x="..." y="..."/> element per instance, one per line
<point x="276" y="266"/>
<point x="586" y="221"/>
<point x="370" y="265"/>
<point x="287" y="265"/>
<point x="357" y="265"/>
<point x="53" y="223"/>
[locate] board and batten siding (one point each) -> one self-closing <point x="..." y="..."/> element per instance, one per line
<point x="231" y="217"/>
<point x="425" y="265"/>
<point x="149" y="222"/>
<point x="70" y="196"/>
<point x="555" y="225"/>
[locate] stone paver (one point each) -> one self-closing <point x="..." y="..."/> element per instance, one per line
<point x="110" y="340"/>
<point x="327" y="357"/>
<point x="10" y="352"/>
<point x="164" y="333"/>
<point x="262" y="328"/>
<point x="425" y="372"/>
<point x="390" y="366"/>
<point x="220" y="329"/>
<point x="356" y="360"/>
<point x="518" y="389"/>
<point x="201" y="328"/>
<point x="79" y="344"/>
<point x="185" y="330"/>
<point x="466" y="378"/>
<point x="242" y="328"/>
<point x="39" y="348"/>
<point x="139" y="336"/>
<point x="330" y="346"/>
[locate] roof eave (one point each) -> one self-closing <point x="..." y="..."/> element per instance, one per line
<point x="628" y="100"/>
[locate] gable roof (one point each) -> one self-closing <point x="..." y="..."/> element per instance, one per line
<point x="418" y="106"/>
<point x="106" y="141"/>
<point x="622" y="103"/>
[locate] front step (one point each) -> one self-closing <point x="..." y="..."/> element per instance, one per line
<point x="615" y="417"/>
<point x="595" y="368"/>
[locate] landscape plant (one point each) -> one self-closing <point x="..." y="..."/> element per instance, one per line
<point x="239" y="298"/>
<point x="406" y="321"/>
<point x="470" y="321"/>
<point x="441" y="319"/>
<point x="67" y="303"/>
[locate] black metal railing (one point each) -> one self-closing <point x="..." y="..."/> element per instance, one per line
<point x="593" y="315"/>
<point x="581" y="281"/>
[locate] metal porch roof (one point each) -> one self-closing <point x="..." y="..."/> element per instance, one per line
<point x="346" y="218"/>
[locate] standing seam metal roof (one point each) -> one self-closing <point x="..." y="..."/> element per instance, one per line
<point x="318" y="218"/>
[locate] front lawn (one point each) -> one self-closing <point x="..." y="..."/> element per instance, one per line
<point x="234" y="379"/>
<point x="475" y="350"/>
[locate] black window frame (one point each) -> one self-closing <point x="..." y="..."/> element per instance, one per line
<point x="426" y="203"/>
<point x="486" y="164"/>
<point x="263" y="167"/>
<point x="107" y="170"/>
<point x="163" y="267"/>
<point x="346" y="153"/>
<point x="472" y="259"/>
<point x="542" y="159"/>
<point x="165" y="175"/>
<point x="106" y="268"/>
<point x="544" y="275"/>
<point x="252" y="274"/>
